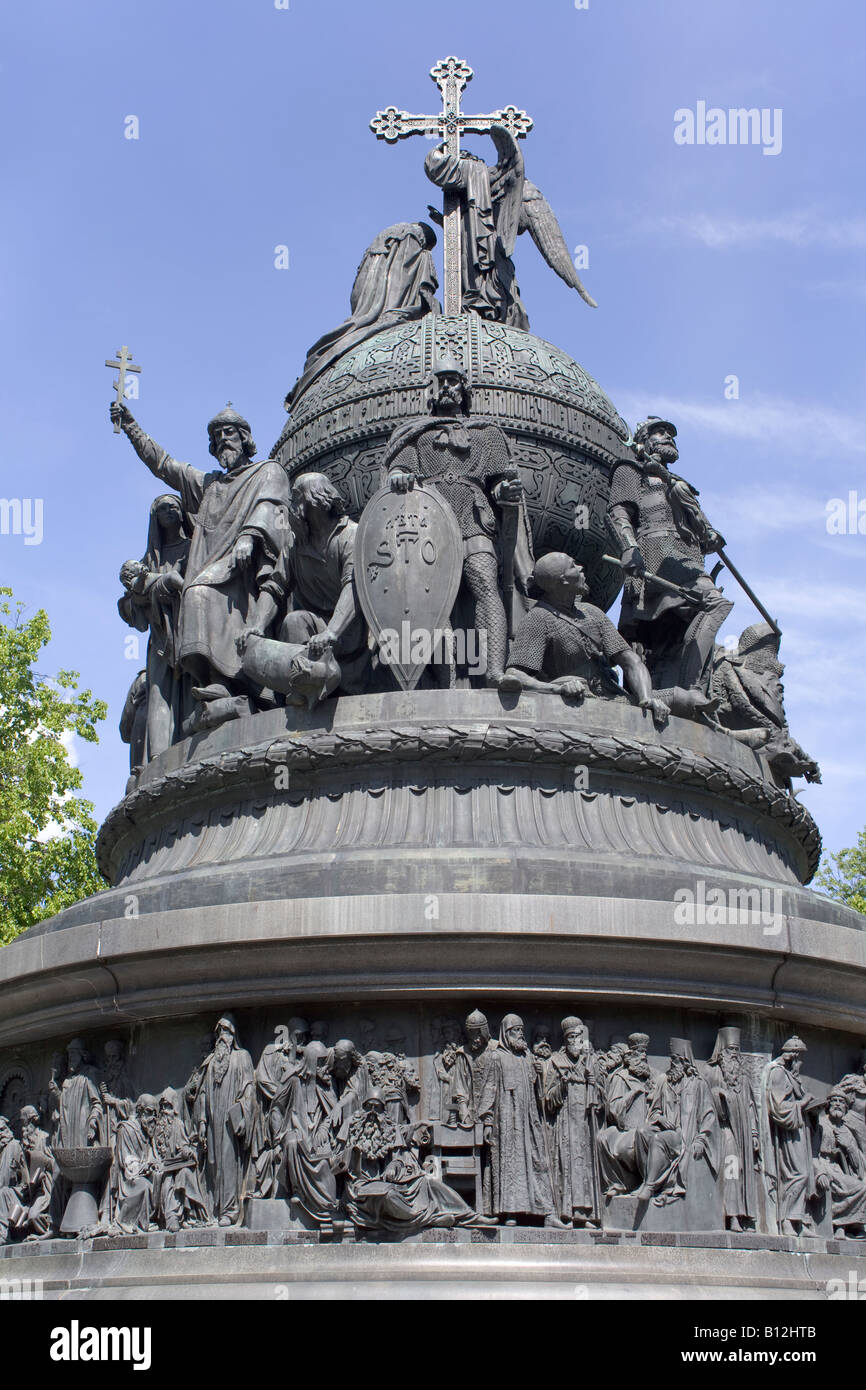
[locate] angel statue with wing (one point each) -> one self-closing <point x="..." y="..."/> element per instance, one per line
<point x="499" y="202"/>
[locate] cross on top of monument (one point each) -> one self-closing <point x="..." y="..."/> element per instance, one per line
<point x="451" y="76"/>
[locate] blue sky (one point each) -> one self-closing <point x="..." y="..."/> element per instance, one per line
<point x="706" y="261"/>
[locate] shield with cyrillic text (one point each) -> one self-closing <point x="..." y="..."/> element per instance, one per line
<point x="408" y="565"/>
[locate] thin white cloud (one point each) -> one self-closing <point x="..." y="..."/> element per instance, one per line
<point x="803" y="428"/>
<point x="830" y="603"/>
<point x="802" y="228"/>
<point x="762" y="509"/>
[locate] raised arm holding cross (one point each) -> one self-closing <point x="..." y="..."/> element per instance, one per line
<point x="122" y="365"/>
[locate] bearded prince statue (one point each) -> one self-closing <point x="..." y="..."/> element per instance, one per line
<point x="239" y="523"/>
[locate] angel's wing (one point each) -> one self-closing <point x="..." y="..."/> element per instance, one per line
<point x="539" y="219"/>
<point x="506" y="187"/>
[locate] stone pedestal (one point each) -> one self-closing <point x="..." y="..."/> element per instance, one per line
<point x="387" y="861"/>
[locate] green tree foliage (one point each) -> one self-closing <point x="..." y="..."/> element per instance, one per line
<point x="843" y="876"/>
<point x="47" y="834"/>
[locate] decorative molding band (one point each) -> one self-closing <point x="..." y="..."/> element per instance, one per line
<point x="230" y="805"/>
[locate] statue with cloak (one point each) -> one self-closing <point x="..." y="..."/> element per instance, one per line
<point x="841" y="1168"/>
<point x="133" y="1167"/>
<point x="239" y="516"/>
<point x="311" y="1159"/>
<point x="681" y="1112"/>
<point x="178" y="1199"/>
<point x="395" y="283"/>
<point x="737" y="1112"/>
<point x="386" y="1187"/>
<point x="787" y="1113"/>
<point x="151" y="603"/>
<point x="453" y="1073"/>
<point x="77" y="1100"/>
<point x="13" y="1182"/>
<point x="569" y="1095"/>
<point x="277" y="1067"/>
<point x="509" y="1108"/>
<point x="224" y="1110"/>
<point x="350" y="1078"/>
<point x="498" y="203"/>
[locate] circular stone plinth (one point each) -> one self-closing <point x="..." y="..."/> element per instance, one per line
<point x="388" y="863"/>
<point x="440" y="844"/>
<point x="469" y="769"/>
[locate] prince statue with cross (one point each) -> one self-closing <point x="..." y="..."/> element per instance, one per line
<point x="239" y="514"/>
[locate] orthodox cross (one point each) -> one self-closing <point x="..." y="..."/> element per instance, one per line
<point x="122" y="365"/>
<point x="451" y="76"/>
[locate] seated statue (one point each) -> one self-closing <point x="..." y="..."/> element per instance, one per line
<point x="386" y="1188"/>
<point x="683" y="1116"/>
<point x="568" y="645"/>
<point x="841" y="1167"/>
<point x="134" y="1168"/>
<point x="308" y="605"/>
<point x="636" y="1156"/>
<point x="178" y="1197"/>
